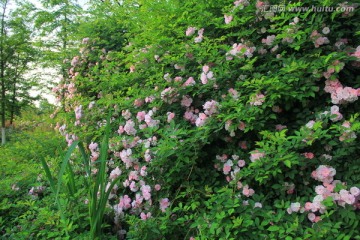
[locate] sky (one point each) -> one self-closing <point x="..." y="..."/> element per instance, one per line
<point x="80" y="2"/>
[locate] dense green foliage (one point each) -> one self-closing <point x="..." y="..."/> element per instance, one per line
<point x="208" y="120"/>
<point x="264" y="90"/>
<point x="22" y="215"/>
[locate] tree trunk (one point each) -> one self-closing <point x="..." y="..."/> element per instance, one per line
<point x="2" y="73"/>
<point x="64" y="73"/>
<point x="3" y="136"/>
<point x="2" y="105"/>
<point x="13" y="100"/>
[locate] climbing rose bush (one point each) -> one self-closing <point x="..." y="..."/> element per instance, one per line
<point x="223" y="125"/>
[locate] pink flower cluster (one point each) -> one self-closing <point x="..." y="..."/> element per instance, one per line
<point x="179" y="67"/>
<point x="75" y="61"/>
<point x="124" y="203"/>
<point x="191" y="115"/>
<point x="233" y="93"/>
<point x="70" y="138"/>
<point x="169" y="95"/>
<point x="326" y="190"/>
<point x="85" y="40"/>
<point x="242" y="126"/>
<point x="194" y="116"/>
<point x="186" y="101"/>
<point x="200" y="36"/>
<point x="91" y="105"/>
<point x="309" y="155"/>
<point x="126" y="114"/>
<point x="78" y="114"/>
<point x="138" y="102"/>
<point x="189" y="82"/>
<point x="150" y="122"/>
<point x="138" y="199"/>
<point x="289" y="187"/>
<point x="240" y="50"/>
<point x="126" y="157"/>
<point x="340" y="94"/>
<point x="115" y="173"/>
<point x="136" y="184"/>
<point x="132" y="69"/>
<point x="149" y="99"/>
<point x="170" y="116"/>
<point x="129" y="127"/>
<point x="211" y="107"/>
<point x="177" y="79"/>
<point x="295" y="207"/>
<point x="164" y="204"/>
<point x="256" y="155"/>
<point x="145" y="216"/>
<point x="230" y="167"/>
<point x="167" y="77"/>
<point x="318" y="39"/>
<point x="228" y="18"/>
<point x="341" y="42"/>
<point x="206" y="74"/>
<point x="62" y="128"/>
<point x="71" y="90"/>
<point x="248" y="192"/>
<point x="201" y="120"/>
<point x="242" y="3"/>
<point x="190" y="31"/>
<point x="347" y="132"/>
<point x="268" y="40"/>
<point x="336" y="66"/>
<point x="260" y="4"/>
<point x="93" y="147"/>
<point x="257" y="100"/>
<point x="228" y="128"/>
<point x="146" y="192"/>
<point x="325" y="174"/>
<point x="357" y="53"/>
<point x="336" y="113"/>
<point x="35" y="191"/>
<point x="279" y="127"/>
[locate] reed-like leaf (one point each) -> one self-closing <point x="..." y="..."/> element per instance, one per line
<point x="99" y="203"/>
<point x="48" y="174"/>
<point x="63" y="166"/>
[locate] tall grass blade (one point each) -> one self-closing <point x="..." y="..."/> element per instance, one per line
<point x="64" y="165"/>
<point x="48" y="174"/>
<point x="85" y="160"/>
<point x="71" y="184"/>
<point x="99" y="203"/>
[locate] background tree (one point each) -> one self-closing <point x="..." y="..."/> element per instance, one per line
<point x="57" y="23"/>
<point x="16" y="52"/>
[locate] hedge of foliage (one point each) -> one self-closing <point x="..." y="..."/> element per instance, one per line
<point x="228" y="120"/>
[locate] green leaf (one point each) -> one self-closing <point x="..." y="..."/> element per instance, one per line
<point x="273" y="228"/>
<point x="287" y="163"/>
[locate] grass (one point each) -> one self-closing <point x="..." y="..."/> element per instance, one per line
<point x="23" y="216"/>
